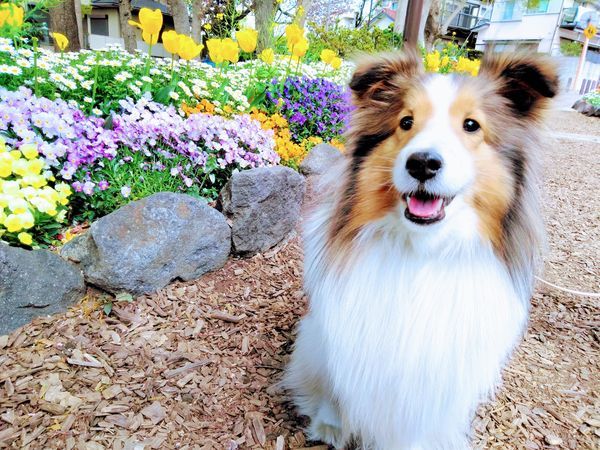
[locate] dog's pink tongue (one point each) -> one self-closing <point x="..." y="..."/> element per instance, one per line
<point x="424" y="208"/>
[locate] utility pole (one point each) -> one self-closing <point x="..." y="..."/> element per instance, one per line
<point x="413" y="22"/>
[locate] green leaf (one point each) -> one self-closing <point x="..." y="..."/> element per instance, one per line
<point x="123" y="297"/>
<point x="162" y="95"/>
<point x="107" y="308"/>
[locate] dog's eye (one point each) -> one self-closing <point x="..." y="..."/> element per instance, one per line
<point x="471" y="126"/>
<point x="406" y="123"/>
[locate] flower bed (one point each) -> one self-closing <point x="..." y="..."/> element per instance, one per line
<point x="116" y="127"/>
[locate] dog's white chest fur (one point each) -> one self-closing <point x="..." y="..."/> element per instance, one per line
<point x="407" y="345"/>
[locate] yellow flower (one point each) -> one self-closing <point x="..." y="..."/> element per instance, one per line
<point x="16" y="154"/>
<point x="150" y="22"/>
<point x="25" y="238"/>
<point x="13" y="223"/>
<point x="6" y="163"/>
<point x="149" y="39"/>
<point x="230" y="50"/>
<point x="29" y="151"/>
<point x="432" y="61"/>
<point x="300" y="48"/>
<point x="170" y="40"/>
<point x="220" y="16"/>
<point x="215" y="50"/>
<point x="11" y="15"/>
<point x="17" y="205"/>
<point x="247" y="38"/>
<point x="327" y="55"/>
<point x="267" y="55"/>
<point x="293" y="34"/>
<point x="207" y="26"/>
<point x="61" y="41"/>
<point x="188" y="49"/>
<point x="466" y="65"/>
<point x="336" y="62"/>
<point x="20" y="167"/>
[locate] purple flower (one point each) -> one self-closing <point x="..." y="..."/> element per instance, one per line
<point x="103" y="185"/>
<point x="77" y="186"/>
<point x="125" y="191"/>
<point x="88" y="187"/>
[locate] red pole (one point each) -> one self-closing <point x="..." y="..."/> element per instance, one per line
<point x="413" y="22"/>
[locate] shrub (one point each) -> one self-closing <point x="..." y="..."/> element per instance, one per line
<point x="571" y="48"/>
<point x="346" y="42"/>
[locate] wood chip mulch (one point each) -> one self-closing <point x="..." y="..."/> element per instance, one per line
<point x="196" y="365"/>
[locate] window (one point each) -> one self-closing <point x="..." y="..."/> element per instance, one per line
<point x="509" y="9"/>
<point x="537" y="6"/>
<point x="99" y="25"/>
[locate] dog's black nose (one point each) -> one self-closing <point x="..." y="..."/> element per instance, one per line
<point x="424" y="165"/>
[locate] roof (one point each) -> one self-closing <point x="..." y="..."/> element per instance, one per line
<point x="391" y="13"/>
<point x="135" y="5"/>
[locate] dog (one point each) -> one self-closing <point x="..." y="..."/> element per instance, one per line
<point x="420" y="260"/>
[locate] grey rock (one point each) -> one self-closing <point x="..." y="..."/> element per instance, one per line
<point x="320" y="159"/>
<point x="144" y="245"/>
<point x="263" y="206"/>
<point x="586" y="108"/>
<point x="35" y="283"/>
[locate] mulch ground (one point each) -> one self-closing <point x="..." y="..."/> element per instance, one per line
<point x="196" y="365"/>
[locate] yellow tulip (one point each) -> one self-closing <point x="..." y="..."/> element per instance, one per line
<point x="61" y="41"/>
<point x="188" y="49"/>
<point x="230" y="50"/>
<point x="11" y="15"/>
<point x="247" y="38"/>
<point x="150" y="22"/>
<point x="170" y="40"/>
<point x="336" y="62"/>
<point x="293" y="34"/>
<point x="267" y="55"/>
<point x="300" y="48"/>
<point x="327" y="55"/>
<point x="149" y="39"/>
<point x="215" y="50"/>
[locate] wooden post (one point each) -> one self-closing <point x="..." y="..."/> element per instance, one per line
<point x="413" y="23"/>
<point x="581" y="62"/>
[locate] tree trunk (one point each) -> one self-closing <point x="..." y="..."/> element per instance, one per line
<point x="306" y="4"/>
<point x="264" y="10"/>
<point x="127" y="31"/>
<point x="198" y="12"/>
<point x="63" y="19"/>
<point x="430" y="23"/>
<point x="181" y="16"/>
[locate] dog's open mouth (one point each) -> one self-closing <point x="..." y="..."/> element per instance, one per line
<point x="424" y="208"/>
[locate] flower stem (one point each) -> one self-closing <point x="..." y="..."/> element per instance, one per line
<point x="94" y="87"/>
<point x="35" y="65"/>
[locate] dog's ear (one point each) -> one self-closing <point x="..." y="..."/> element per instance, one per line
<point x="375" y="75"/>
<point x="525" y="80"/>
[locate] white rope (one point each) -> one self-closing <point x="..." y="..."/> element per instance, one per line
<point x="583" y="294"/>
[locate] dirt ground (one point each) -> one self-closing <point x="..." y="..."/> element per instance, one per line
<point x="195" y="366"/>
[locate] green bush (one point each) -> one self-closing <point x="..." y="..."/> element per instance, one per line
<point x="345" y="42"/>
<point x="570" y="48"/>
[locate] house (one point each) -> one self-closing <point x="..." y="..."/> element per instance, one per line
<point x="532" y="25"/>
<point x="101" y="25"/>
<point x="383" y="18"/>
<point x="541" y="26"/>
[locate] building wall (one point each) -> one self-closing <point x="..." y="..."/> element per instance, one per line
<point x="511" y="24"/>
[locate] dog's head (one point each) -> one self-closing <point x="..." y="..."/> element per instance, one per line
<point x="431" y="149"/>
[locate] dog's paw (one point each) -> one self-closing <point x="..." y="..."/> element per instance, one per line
<point x="326" y="426"/>
<point x="327" y="433"/>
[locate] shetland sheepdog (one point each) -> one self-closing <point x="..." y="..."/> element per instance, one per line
<point x="420" y="261"/>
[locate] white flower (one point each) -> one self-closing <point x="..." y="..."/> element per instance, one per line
<point x="87" y="84"/>
<point x="146" y="79"/>
<point x="97" y="112"/>
<point x="174" y="95"/>
<point x="22" y="62"/>
<point x="138" y="83"/>
<point x="88" y="99"/>
<point x="125" y="191"/>
<point x="135" y="89"/>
